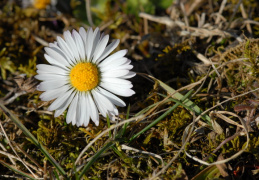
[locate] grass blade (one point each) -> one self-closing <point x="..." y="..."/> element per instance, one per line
<point x="95" y="157"/>
<point x="161" y="117"/>
<point x="187" y="102"/>
<point x="16" y="170"/>
<point x="33" y="139"/>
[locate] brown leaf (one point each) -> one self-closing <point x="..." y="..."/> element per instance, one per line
<point x="222" y="167"/>
<point x="26" y="84"/>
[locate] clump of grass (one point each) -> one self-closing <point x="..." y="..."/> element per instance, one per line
<point x="163" y="132"/>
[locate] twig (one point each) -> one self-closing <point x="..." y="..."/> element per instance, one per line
<point x="104" y="132"/>
<point x="184" y="14"/>
<point x="203" y="82"/>
<point x="189" y="130"/>
<point x="222" y="143"/>
<point x="222" y="6"/>
<point x="248" y="26"/>
<point x="234" y="13"/>
<point x="193" y="6"/>
<point x="163" y="20"/>
<point x="39" y="169"/>
<point x="124" y="147"/>
<point x="104" y="26"/>
<point x="9" y="142"/>
<point x="41" y="41"/>
<point x="10" y="156"/>
<point x="201" y="57"/>
<point x="249" y="21"/>
<point x="145" y="26"/>
<point x="193" y="31"/>
<point x="188" y="137"/>
<point x="88" y="12"/>
<point x="16" y="95"/>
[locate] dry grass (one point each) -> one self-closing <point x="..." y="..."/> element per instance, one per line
<point x="194" y="115"/>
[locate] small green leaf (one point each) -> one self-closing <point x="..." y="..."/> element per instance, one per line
<point x="209" y="172"/>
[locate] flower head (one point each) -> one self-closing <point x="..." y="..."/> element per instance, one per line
<point x="41" y="4"/>
<point x="82" y="76"/>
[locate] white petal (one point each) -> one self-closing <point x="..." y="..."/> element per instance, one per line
<point x="100" y="48"/>
<point x="87" y="120"/>
<point x="102" y="35"/>
<point x="49" y="85"/>
<point x="45" y="68"/>
<point x="54" y="44"/>
<point x="116" y="111"/>
<point x="89" y="43"/>
<point x="83" y="35"/>
<point x="113" y="57"/>
<point x="108" y="50"/>
<point x="53" y="94"/>
<point x="113" y="73"/>
<point x="54" y="61"/>
<point x="113" y="114"/>
<point x="79" y="43"/>
<point x="112" y="63"/>
<point x="60" y="101"/>
<point x="125" y="65"/>
<point x="115" y="81"/>
<point x="116" y="67"/>
<point x="71" y="114"/>
<point x="72" y="45"/>
<point x="114" y="99"/>
<point x="93" y="109"/>
<point x="48" y="77"/>
<point x="120" y="86"/>
<point x="117" y="90"/>
<point x="122" y="67"/>
<point x="103" y="104"/>
<point x="129" y="75"/>
<point x="59" y="111"/>
<point x="84" y="120"/>
<point x="96" y="39"/>
<point x="79" y="114"/>
<point x="65" y="48"/>
<point x="127" y="62"/>
<point x="58" y="55"/>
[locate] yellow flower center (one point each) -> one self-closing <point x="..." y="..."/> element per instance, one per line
<point x="84" y="76"/>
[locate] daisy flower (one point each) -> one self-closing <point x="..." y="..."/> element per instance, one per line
<point x="39" y="4"/>
<point x="84" y="77"/>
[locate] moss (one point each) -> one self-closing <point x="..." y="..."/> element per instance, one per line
<point x="241" y="74"/>
<point x="175" y="124"/>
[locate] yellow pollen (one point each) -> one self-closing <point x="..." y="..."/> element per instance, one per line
<point x="84" y="76"/>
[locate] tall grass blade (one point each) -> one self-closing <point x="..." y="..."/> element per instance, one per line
<point x="16" y="170"/>
<point x="33" y="139"/>
<point x="187" y="102"/>
<point x="161" y="117"/>
<point x="95" y="157"/>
